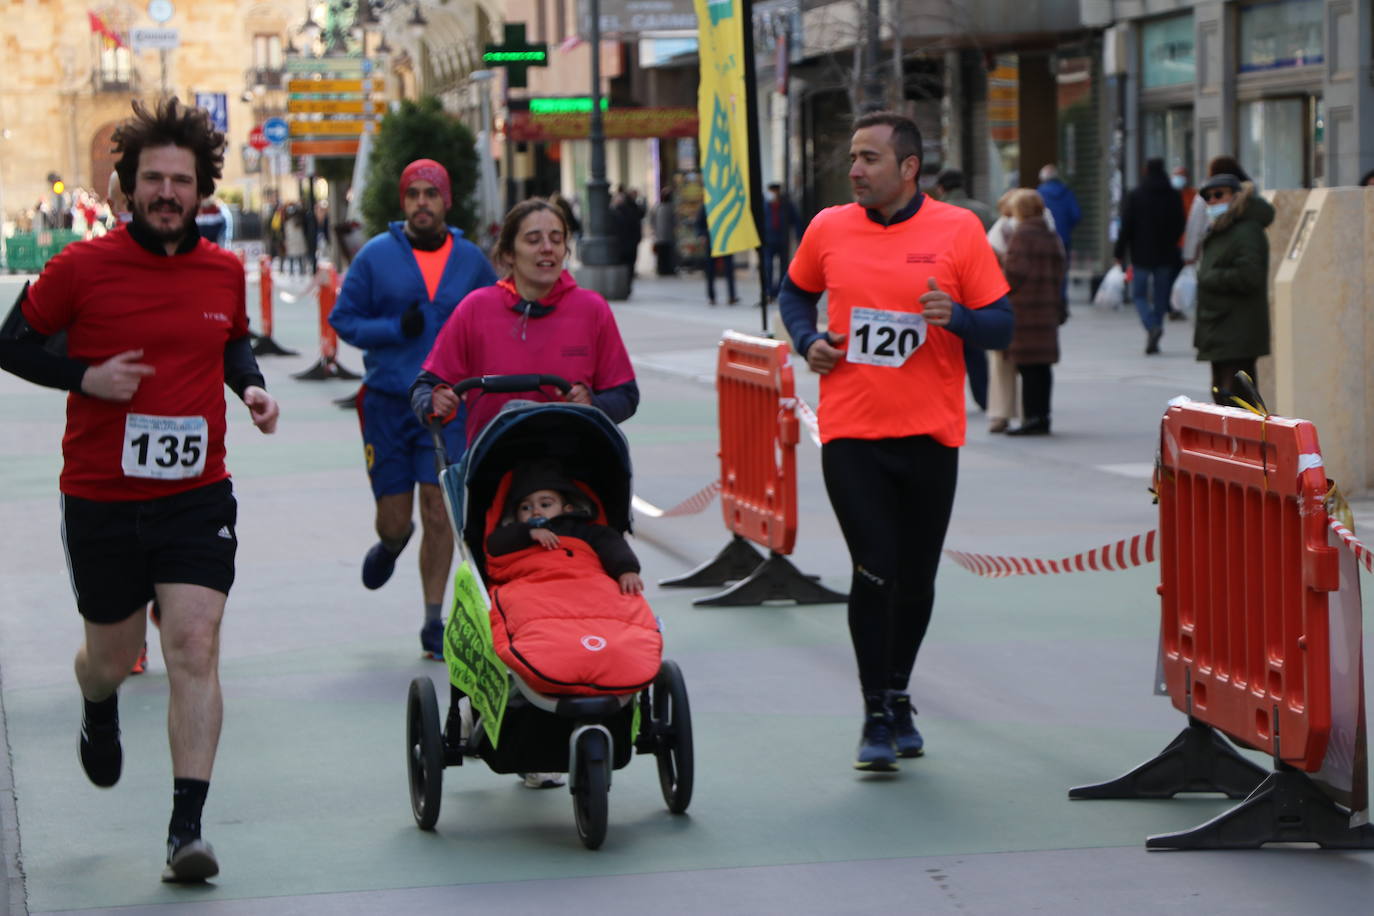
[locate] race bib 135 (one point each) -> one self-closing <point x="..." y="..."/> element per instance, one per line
<point x="164" y="448"/>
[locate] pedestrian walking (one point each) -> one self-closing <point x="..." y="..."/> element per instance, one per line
<point x="156" y="325"/>
<point x="1232" y="327"/>
<point x="949" y="187"/>
<point x="907" y="279"/>
<point x="1151" y="222"/>
<point x="664" y="218"/>
<point x="401" y="288"/>
<point x="711" y="264"/>
<point x="781" y="223"/>
<point x="627" y="227"/>
<point x="1034" y="268"/>
<point x="1062" y="213"/>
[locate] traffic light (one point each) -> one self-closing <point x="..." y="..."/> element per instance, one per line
<point x="55" y="180"/>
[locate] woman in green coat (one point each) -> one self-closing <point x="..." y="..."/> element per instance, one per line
<point x="1232" y="281"/>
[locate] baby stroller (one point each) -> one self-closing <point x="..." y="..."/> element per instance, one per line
<point x="592" y="727"/>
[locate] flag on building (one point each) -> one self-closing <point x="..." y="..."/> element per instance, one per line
<point x="724" y="131"/>
<point x="99" y="27"/>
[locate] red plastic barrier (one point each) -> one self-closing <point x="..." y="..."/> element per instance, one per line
<point x="265" y="293"/>
<point x="1245" y="569"/>
<point x="329" y="291"/>
<point x="758" y="440"/>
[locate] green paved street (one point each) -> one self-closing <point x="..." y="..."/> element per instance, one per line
<point x="1026" y="686"/>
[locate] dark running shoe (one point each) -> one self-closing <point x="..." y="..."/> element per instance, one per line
<point x="876" y="753"/>
<point x="905" y="734"/>
<point x="380" y="563"/>
<point x="432" y="639"/>
<point x="101" y="755"/>
<point x="141" y="663"/>
<point x="1152" y="341"/>
<point x="189" y="860"/>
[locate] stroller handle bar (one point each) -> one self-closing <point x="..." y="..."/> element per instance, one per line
<point x="499" y="384"/>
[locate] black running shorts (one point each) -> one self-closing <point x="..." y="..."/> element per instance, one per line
<point x="116" y="551"/>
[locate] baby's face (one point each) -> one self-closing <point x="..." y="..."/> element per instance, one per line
<point x="540" y="504"/>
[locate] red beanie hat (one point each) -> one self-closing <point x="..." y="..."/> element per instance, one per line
<point x="431" y="171"/>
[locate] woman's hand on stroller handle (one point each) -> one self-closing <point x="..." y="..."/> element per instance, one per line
<point x="508" y="384"/>
<point x="443" y="403"/>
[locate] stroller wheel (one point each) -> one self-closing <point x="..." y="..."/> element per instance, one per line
<point x="591" y="787"/>
<point x="424" y="752"/>
<point x="672" y="725"/>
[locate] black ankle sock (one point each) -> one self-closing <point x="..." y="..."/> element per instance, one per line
<point x="188" y="799"/>
<point x="106" y="710"/>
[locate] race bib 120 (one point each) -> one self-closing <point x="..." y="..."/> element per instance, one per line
<point x="164" y="448"/>
<point x="878" y="337"/>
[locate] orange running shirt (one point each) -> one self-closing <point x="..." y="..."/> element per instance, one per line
<point x="432" y="264"/>
<point x="899" y="377"/>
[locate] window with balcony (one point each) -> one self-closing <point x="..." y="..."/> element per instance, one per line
<point x="114" y="67"/>
<point x="267" y="60"/>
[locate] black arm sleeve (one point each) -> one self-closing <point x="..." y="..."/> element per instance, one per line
<point x="509" y="539"/>
<point x="798" y="309"/>
<point x="618" y="403"/>
<point x="35" y="357"/>
<point x="988" y="328"/>
<point x="241" y="366"/>
<point x="422" y="395"/>
<point x="616" y="556"/>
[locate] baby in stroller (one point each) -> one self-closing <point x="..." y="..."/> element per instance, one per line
<point x="543" y="504"/>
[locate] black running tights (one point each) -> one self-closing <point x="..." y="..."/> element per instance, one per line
<point x="892" y="498"/>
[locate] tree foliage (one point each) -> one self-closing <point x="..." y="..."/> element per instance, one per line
<point x="420" y="130"/>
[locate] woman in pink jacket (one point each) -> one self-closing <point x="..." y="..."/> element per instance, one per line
<point x="535" y="320"/>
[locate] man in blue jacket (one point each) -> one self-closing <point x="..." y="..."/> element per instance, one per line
<point x="1063" y="206"/>
<point x="398" y="293"/>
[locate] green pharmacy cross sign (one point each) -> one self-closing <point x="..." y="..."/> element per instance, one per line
<point x="516" y="54"/>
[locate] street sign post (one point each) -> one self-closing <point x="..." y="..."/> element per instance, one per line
<point x="276" y="130"/>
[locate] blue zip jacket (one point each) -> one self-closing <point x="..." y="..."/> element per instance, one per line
<point x="383" y="281"/>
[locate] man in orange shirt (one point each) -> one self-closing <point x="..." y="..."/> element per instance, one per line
<point x="398" y="293"/>
<point x="909" y="280"/>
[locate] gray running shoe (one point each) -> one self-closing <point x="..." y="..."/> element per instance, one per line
<point x="191" y="861"/>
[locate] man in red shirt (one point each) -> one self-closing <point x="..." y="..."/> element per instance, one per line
<point x="909" y="279"/>
<point x="156" y="325"/>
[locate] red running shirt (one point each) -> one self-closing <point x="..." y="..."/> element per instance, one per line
<point x="112" y="295"/>
<point x="889" y="386"/>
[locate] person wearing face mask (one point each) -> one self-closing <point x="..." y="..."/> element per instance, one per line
<point x="399" y="291"/>
<point x="1151" y="221"/>
<point x="1232" y="329"/>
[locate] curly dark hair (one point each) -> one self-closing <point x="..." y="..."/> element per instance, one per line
<point x="170" y="124"/>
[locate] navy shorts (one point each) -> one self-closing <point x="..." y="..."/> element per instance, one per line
<point x="397" y="448"/>
<point x="117" y="551"/>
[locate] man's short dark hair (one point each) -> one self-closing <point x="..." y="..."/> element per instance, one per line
<point x="906" y="136"/>
<point x="170" y="124"/>
<point x="949" y="179"/>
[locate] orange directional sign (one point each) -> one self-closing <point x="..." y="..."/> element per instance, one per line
<point x="334" y="106"/>
<point x="331" y="128"/>
<point x="324" y="147"/>
<point x="331" y="87"/>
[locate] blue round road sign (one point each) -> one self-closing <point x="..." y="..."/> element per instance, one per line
<point x="275" y="130"/>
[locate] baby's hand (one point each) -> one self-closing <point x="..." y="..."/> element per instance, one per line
<point x="631" y="584"/>
<point x="544" y="537"/>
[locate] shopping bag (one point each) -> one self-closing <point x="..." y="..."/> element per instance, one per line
<point x="1112" y="290"/>
<point x="1183" y="297"/>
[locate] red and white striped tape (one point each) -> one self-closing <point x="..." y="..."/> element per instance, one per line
<point x="693" y="504"/>
<point x="1362" y="555"/>
<point x="1123" y="554"/>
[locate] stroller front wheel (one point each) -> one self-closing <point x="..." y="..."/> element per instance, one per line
<point x="672" y="725"/>
<point x="591" y="787"/>
<point x="424" y="752"/>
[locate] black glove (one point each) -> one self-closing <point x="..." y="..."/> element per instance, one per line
<point x="413" y="321"/>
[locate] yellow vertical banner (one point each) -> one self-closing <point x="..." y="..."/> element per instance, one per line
<point x="724" y="131"/>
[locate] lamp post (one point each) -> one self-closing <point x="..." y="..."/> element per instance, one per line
<point x="599" y="268"/>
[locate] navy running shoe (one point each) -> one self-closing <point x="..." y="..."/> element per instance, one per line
<point x="905" y="734"/>
<point x="877" y="753"/>
<point x="432" y="639"/>
<point x="380" y="562"/>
